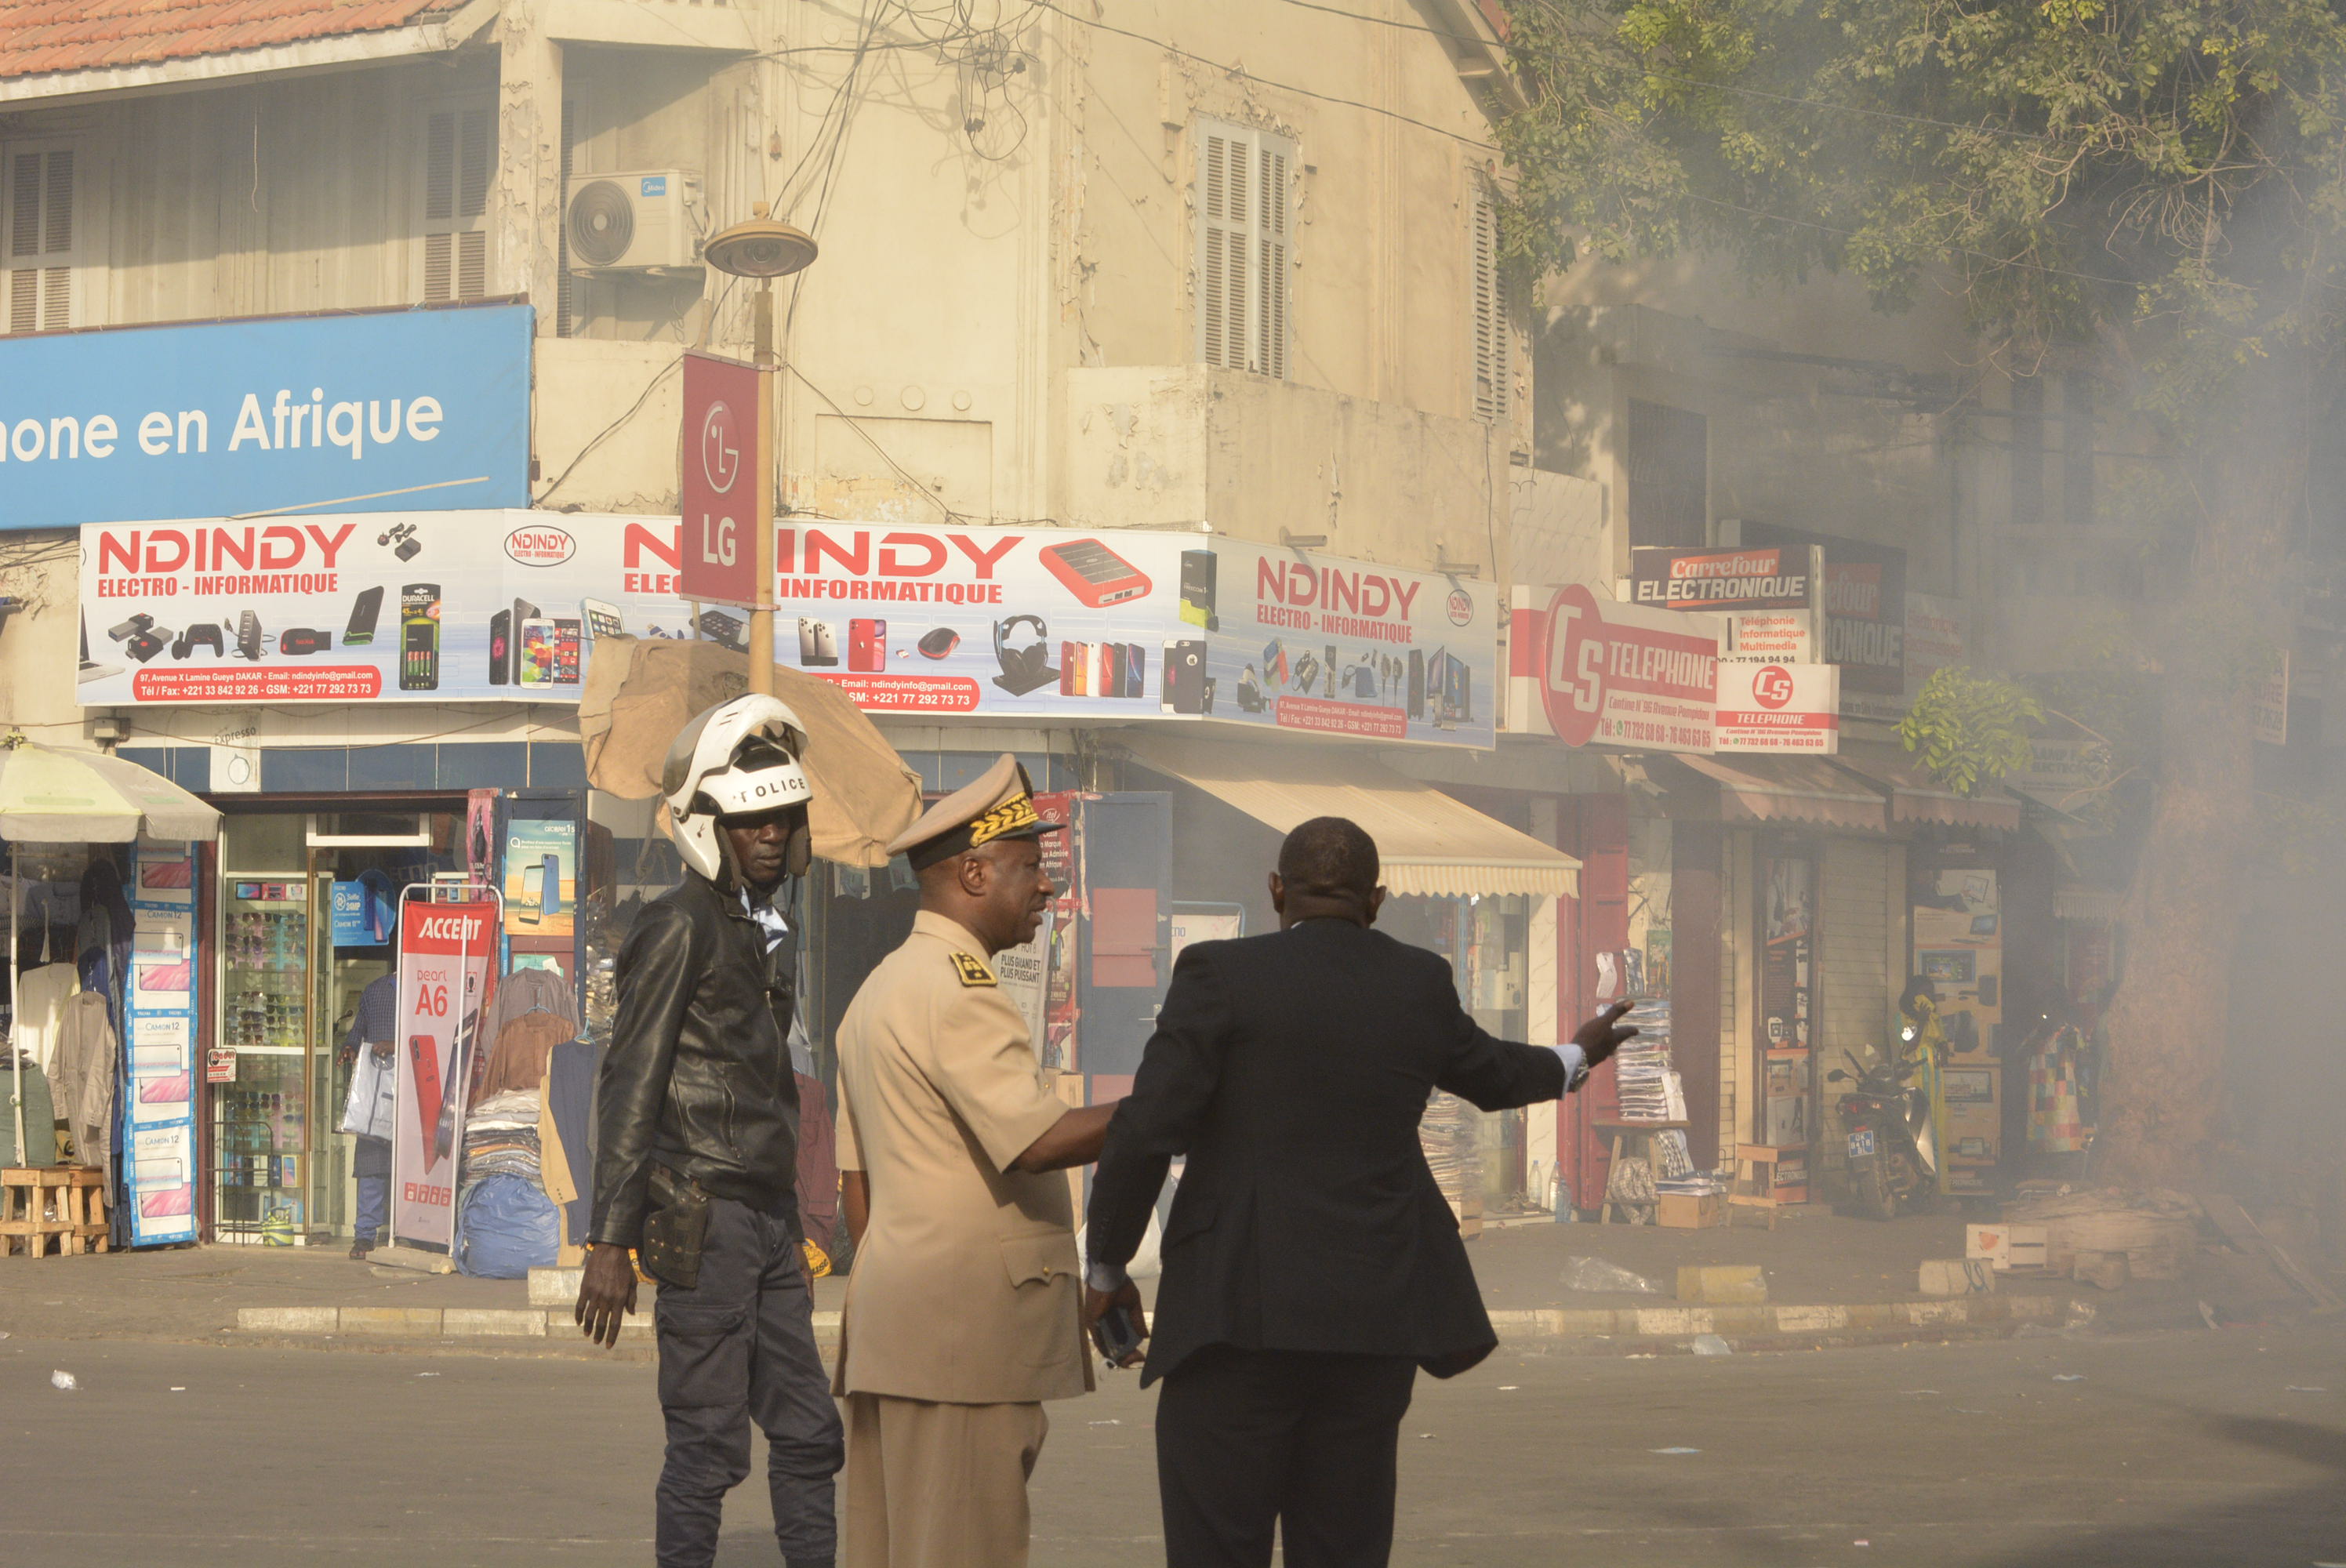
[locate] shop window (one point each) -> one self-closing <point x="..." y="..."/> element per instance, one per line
<point x="40" y="234"/>
<point x="459" y="160"/>
<point x="1494" y="334"/>
<point x="1785" y="1026"/>
<point x="355" y="829"/>
<point x="1244" y="202"/>
<point x="1668" y="461"/>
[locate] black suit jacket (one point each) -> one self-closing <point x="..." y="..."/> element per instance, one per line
<point x="1292" y="1069"/>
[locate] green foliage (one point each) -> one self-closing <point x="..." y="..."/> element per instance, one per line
<point x="1970" y="729"/>
<point x="2163" y="178"/>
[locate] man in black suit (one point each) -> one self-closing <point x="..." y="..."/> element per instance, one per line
<point x="1311" y="1264"/>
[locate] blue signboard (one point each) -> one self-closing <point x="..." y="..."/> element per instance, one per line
<point x="295" y="415"/>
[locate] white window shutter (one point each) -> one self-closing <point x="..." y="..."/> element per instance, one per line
<point x="1494" y="368"/>
<point x="41" y="236"/>
<point x="1244" y="196"/>
<point x="459" y="161"/>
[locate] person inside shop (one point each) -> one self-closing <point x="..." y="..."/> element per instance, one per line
<point x="964" y="1306"/>
<point x="374" y="1028"/>
<point x="697" y="1113"/>
<point x="1310" y="1266"/>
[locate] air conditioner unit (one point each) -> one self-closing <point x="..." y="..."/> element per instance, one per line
<point x="634" y="222"/>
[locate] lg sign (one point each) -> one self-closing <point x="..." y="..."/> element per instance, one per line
<point x="721" y="447"/>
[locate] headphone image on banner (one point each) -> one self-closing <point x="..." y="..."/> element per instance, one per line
<point x="1022" y="669"/>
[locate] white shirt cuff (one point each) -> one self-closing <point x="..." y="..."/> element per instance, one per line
<point x="1575" y="1063"/>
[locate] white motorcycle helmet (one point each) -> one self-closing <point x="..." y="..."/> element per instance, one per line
<point x="740" y="758"/>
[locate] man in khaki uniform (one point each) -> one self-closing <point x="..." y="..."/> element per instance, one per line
<point x="964" y="1307"/>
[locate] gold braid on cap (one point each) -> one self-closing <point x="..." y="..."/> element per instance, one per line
<point x="1008" y="818"/>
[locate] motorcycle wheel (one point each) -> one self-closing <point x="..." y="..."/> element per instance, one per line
<point x="1904" y="1182"/>
<point x="1870" y="1180"/>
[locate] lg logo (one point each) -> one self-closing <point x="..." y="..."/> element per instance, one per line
<point x="721" y="447"/>
<point x="1772" y="687"/>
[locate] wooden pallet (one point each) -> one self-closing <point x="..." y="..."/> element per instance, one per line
<point x="44" y="1204"/>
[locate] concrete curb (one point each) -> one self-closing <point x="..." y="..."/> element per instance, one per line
<point x="1513" y="1326"/>
<point x="1677" y="1322"/>
<point x="437" y="1322"/>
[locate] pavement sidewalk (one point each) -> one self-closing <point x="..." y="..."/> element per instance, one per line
<point x="1829" y="1279"/>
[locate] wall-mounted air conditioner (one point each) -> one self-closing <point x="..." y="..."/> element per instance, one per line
<point x="632" y="222"/>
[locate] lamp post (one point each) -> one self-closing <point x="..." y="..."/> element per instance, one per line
<point x="765" y="249"/>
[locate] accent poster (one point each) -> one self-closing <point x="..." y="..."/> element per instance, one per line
<point x="445" y="950"/>
<point x="157" y="1136"/>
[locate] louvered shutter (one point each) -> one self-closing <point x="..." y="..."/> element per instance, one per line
<point x="1493" y="366"/>
<point x="41" y="237"/>
<point x="1244" y="199"/>
<point x="459" y="158"/>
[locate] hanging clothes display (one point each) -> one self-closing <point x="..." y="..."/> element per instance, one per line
<point x="41" y="998"/>
<point x="567" y="1160"/>
<point x="528" y="991"/>
<point x="87" y="1056"/>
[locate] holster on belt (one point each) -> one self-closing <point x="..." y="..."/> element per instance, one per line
<point x="675" y="1230"/>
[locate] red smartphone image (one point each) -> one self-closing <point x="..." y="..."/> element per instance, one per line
<point x="423" y="1060"/>
<point x="867" y="646"/>
<point x="1094" y="572"/>
<point x="1066" y="669"/>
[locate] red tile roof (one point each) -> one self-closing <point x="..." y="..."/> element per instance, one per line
<point x="37" y="36"/>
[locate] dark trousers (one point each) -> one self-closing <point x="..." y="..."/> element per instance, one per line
<point x="1247" y="1438"/>
<point x="740" y="1347"/>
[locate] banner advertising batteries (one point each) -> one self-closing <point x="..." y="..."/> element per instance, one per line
<point x="1316" y="643"/>
<point x="1779" y="707"/>
<point x="445" y="950"/>
<point x="1029" y="623"/>
<point x="1623" y="674"/>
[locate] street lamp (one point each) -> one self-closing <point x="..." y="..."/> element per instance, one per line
<point x="765" y="249"/>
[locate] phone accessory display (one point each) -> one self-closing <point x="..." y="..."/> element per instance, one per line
<point x="1095" y="574"/>
<point x="130" y="628"/>
<point x="939" y="643"/>
<point x="296" y="641"/>
<point x="364" y="610"/>
<point x="1198" y="585"/>
<point x="867" y="646"/>
<point x="248" y="634"/>
<point x="1249" y="692"/>
<point x="725" y="630"/>
<point x="500" y="626"/>
<point x="400" y="536"/>
<point x="602" y="619"/>
<point x="1023" y="668"/>
<point x="818" y="644"/>
<point x="145" y="644"/>
<point x="1184" y="690"/>
<point x="419" y="637"/>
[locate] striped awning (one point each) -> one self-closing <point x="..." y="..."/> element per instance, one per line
<point x="1916" y="797"/>
<point x="1791" y="789"/>
<point x="1430" y="845"/>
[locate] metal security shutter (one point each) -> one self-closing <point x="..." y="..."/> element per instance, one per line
<point x="1245" y="226"/>
<point x="1857" y="990"/>
<point x="1493" y="338"/>
<point x="459" y="157"/>
<point x="42" y="247"/>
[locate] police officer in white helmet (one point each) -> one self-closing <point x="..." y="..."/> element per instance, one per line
<point x="697" y="1112"/>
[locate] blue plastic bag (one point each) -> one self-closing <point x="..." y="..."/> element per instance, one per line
<point x="508" y="1228"/>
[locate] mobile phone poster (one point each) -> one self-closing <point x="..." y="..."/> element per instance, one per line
<point x="1028" y="622"/>
<point x="159" y="1106"/>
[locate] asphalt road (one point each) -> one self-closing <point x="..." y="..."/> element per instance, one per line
<point x="2173" y="1448"/>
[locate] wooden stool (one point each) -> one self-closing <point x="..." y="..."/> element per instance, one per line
<point x="39" y="1203"/>
<point x="1623" y="1131"/>
<point x="1756" y="1163"/>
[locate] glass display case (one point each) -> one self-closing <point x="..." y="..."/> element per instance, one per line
<point x="261" y="1120"/>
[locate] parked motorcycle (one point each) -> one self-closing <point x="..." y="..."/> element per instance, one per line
<point x="1893" y="1150"/>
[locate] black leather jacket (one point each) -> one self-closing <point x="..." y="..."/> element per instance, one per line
<point x="697" y="1074"/>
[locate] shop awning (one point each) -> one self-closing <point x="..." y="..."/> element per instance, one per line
<point x="1916" y="797"/>
<point x="52" y="796"/>
<point x="1430" y="844"/>
<point x="1791" y="789"/>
